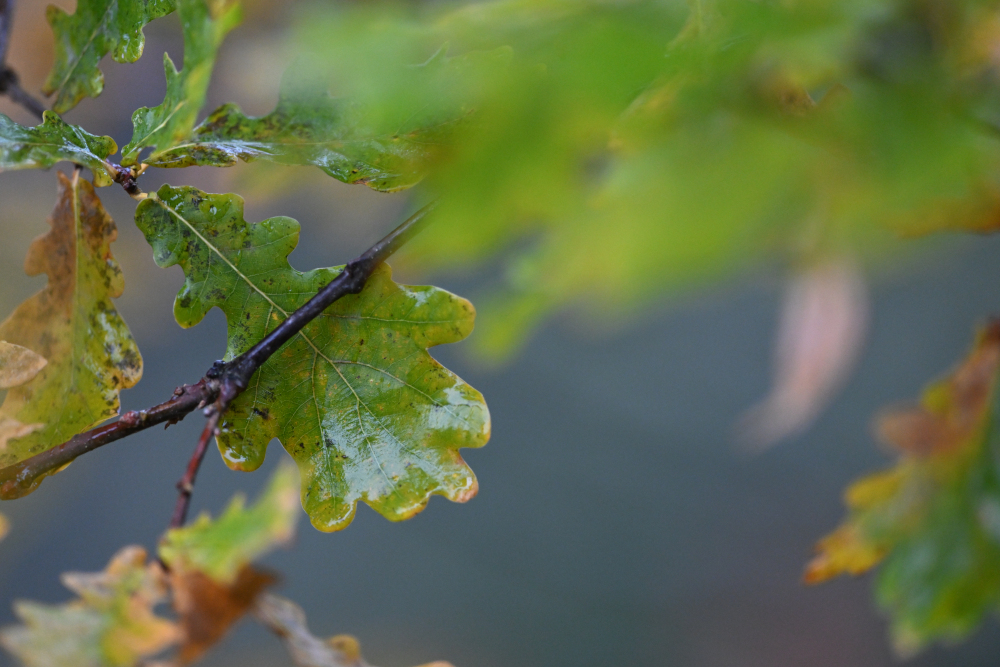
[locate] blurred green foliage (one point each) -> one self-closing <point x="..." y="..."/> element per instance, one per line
<point x="630" y="148"/>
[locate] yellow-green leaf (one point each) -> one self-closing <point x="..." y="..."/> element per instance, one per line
<point x="112" y="624"/>
<point x="221" y="548"/>
<point x="933" y="521"/>
<point x="73" y="323"/>
<point x="355" y="398"/>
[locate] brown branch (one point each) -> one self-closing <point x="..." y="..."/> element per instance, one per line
<point x="185" y="486"/>
<point x="21" y="478"/>
<point x="10" y="86"/>
<point x="221" y="384"/>
<point x="6" y="12"/>
<point x="9" y="82"/>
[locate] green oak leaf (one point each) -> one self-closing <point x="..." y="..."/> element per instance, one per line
<point x="353" y="143"/>
<point x="84" y="37"/>
<point x="355" y="398"/>
<point x="206" y="23"/>
<point x="54" y="141"/>
<point x="220" y="549"/>
<point x="74" y="325"/>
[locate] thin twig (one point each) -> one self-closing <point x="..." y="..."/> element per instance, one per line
<point x="221" y="384"/>
<point x="186" y="484"/>
<point x="10" y="86"/>
<point x="235" y="376"/>
<point x="19" y="479"/>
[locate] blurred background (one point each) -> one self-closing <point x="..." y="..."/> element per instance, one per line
<point x="617" y="522"/>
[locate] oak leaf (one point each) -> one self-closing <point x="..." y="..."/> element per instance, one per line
<point x="933" y="521"/>
<point x="112" y="624"/>
<point x="345" y="139"/>
<point x="84" y="37"/>
<point x="355" y="398"/>
<point x="54" y="141"/>
<point x="206" y="23"/>
<point x="73" y="323"/>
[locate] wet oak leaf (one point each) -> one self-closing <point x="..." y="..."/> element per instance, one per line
<point x="343" y="138"/>
<point x="54" y="141"/>
<point x="73" y="323"/>
<point x="355" y="398"/>
<point x="111" y="624"/>
<point x="933" y="521"/>
<point x="206" y="23"/>
<point x="96" y="28"/>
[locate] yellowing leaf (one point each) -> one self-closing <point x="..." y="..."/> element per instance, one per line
<point x="205" y="23"/>
<point x="112" y="624"/>
<point x="73" y="323"/>
<point x="84" y="37"/>
<point x="355" y="398"/>
<point x="933" y="521"/>
<point x="220" y="549"/>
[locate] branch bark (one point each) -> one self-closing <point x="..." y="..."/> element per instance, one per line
<point x="9" y="82"/>
<point x="221" y="384"/>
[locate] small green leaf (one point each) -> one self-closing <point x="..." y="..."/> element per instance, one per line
<point x="112" y="624"/>
<point x="84" y="37"/>
<point x="346" y="140"/>
<point x="355" y="398"/>
<point x="206" y="23"/>
<point x="73" y="323"/>
<point x="220" y="549"/>
<point x="54" y="141"/>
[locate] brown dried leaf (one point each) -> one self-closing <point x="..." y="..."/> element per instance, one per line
<point x="207" y="609"/>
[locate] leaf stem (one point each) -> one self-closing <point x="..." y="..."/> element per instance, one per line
<point x="221" y="384"/>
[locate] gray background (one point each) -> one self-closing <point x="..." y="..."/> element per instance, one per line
<point x="616" y="523"/>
